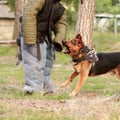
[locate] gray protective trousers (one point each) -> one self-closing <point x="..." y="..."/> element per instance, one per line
<point x="37" y="74"/>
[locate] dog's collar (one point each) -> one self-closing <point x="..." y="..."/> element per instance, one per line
<point x="90" y="55"/>
<point x="83" y="50"/>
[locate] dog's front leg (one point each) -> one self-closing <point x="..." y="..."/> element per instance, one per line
<point x="118" y="71"/>
<point x="69" y="79"/>
<point x="83" y="75"/>
<point x="79" y="84"/>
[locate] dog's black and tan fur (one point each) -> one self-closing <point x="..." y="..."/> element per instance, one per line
<point x="85" y="65"/>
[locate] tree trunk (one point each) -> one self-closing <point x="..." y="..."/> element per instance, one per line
<point x="18" y="4"/>
<point x="85" y="20"/>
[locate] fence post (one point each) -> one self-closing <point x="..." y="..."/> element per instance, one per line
<point x="115" y="26"/>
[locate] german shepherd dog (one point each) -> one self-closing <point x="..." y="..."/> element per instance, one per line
<point x="89" y="63"/>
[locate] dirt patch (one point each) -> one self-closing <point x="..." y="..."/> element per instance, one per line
<point x="80" y="107"/>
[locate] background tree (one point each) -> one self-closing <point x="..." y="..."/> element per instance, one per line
<point x="107" y="6"/>
<point x="85" y="20"/>
<point x="72" y="9"/>
<point x="114" y="2"/>
<point x="101" y="6"/>
<point x="18" y="8"/>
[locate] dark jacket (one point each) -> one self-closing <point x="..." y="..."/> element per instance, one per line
<point x="40" y="17"/>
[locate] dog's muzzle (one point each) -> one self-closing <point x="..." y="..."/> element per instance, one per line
<point x="66" y="51"/>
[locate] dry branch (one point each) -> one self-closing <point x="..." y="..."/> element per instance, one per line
<point x="113" y="97"/>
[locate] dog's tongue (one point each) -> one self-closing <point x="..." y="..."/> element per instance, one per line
<point x="66" y="51"/>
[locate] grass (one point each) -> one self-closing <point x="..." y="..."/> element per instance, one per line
<point x="102" y="85"/>
<point x="8" y="50"/>
<point x="12" y="81"/>
<point x="12" y="77"/>
<point x="105" y="42"/>
<point x="10" y="113"/>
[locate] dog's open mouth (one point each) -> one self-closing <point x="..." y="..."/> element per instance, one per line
<point x="66" y="51"/>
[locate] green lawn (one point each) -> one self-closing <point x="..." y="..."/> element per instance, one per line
<point x="12" y="81"/>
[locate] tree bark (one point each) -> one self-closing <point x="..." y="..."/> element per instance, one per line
<point x="18" y="4"/>
<point x="85" y="20"/>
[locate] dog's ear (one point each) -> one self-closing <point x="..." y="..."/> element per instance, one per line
<point x="79" y="37"/>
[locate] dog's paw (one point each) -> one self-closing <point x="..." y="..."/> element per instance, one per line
<point x="73" y="94"/>
<point x="63" y="85"/>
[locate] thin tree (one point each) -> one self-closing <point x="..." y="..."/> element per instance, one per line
<point x="85" y="20"/>
<point x="18" y="5"/>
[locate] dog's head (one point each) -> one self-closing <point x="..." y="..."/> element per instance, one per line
<point x="73" y="46"/>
